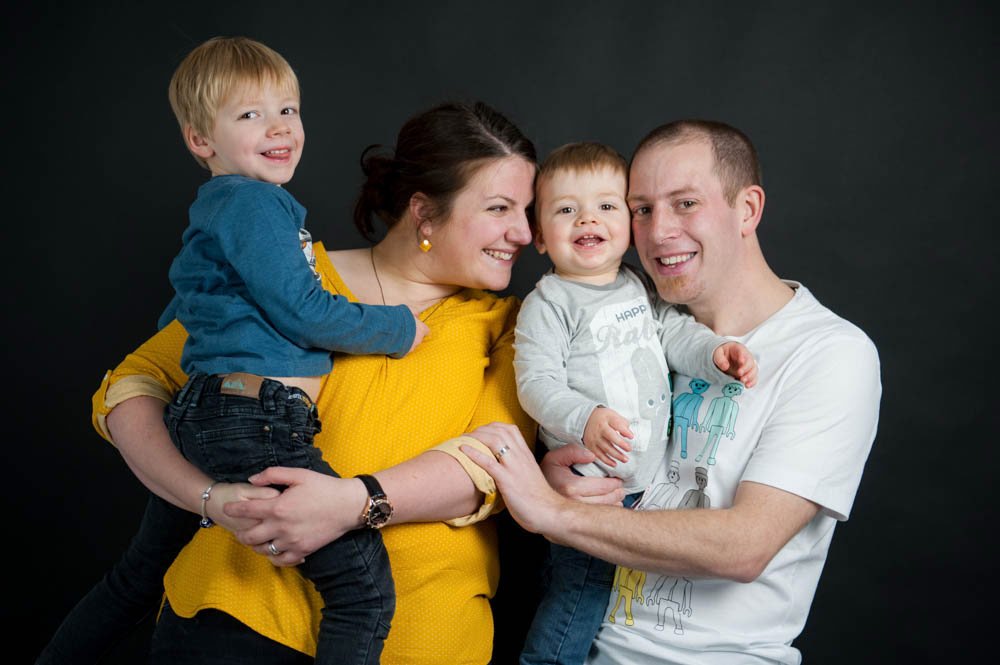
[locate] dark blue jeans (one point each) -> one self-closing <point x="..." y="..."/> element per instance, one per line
<point x="231" y="437"/>
<point x="575" y="591"/>
<point x="212" y="637"/>
<point x="128" y="594"/>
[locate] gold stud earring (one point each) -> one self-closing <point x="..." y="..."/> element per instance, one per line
<point x="425" y="245"/>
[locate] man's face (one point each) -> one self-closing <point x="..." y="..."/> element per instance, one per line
<point x="686" y="234"/>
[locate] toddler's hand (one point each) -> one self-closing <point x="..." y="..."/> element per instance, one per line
<point x="736" y="360"/>
<point x="421" y="331"/>
<point x="605" y="434"/>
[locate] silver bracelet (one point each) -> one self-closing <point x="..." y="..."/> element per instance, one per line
<point x="206" y="521"/>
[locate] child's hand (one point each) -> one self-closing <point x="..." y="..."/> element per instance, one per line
<point x="421" y="331"/>
<point x="736" y="360"/>
<point x="605" y="434"/>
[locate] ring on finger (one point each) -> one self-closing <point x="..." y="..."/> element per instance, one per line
<point x="272" y="549"/>
<point x="500" y="453"/>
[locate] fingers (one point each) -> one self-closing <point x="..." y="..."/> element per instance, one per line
<point x="567" y="456"/>
<point x="278" y="475"/>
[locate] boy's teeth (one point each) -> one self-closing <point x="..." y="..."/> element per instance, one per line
<point x="276" y="152"/>
<point x="503" y="256"/>
<point x="588" y="240"/>
<point x="673" y="260"/>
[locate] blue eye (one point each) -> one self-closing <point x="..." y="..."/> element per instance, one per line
<point x="565" y="211"/>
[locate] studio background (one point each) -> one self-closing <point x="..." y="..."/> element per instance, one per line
<point x="875" y="126"/>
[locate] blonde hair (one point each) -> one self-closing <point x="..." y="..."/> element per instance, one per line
<point x="214" y="71"/>
<point x="576" y="157"/>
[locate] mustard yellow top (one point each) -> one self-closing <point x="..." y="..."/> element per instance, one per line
<point x="376" y="412"/>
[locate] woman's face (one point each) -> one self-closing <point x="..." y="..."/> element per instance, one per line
<point x="477" y="244"/>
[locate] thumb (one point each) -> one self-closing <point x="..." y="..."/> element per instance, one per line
<point x="571" y="454"/>
<point x="277" y="475"/>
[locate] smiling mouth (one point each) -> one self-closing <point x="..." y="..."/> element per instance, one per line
<point x="588" y="241"/>
<point x="497" y="254"/>
<point x="279" y="153"/>
<point x="674" y="260"/>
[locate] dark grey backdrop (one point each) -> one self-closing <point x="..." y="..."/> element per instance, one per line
<point x="876" y="127"/>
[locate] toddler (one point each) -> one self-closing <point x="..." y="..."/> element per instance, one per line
<point x="591" y="357"/>
<point x="261" y="331"/>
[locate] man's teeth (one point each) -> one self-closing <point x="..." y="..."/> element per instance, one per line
<point x="673" y="260"/>
<point x="496" y="254"/>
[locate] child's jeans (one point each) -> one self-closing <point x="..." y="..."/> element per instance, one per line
<point x="575" y="591"/>
<point x="231" y="437"/>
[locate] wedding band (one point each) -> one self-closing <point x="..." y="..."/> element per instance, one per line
<point x="502" y="452"/>
<point x="272" y="549"/>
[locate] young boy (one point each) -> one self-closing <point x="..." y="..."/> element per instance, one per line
<point x="591" y="368"/>
<point x="261" y="330"/>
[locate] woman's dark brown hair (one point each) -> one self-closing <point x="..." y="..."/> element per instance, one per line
<point x="436" y="153"/>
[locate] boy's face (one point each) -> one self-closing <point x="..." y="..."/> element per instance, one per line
<point x="258" y="134"/>
<point x="583" y="223"/>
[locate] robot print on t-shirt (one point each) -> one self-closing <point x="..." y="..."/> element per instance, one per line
<point x="671" y="594"/>
<point x="721" y="419"/>
<point x="686" y="407"/>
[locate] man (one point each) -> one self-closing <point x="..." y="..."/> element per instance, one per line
<point x="783" y="460"/>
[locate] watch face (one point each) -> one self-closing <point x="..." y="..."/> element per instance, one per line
<point x="380" y="513"/>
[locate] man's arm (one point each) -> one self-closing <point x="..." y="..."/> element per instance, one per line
<point x="734" y="543"/>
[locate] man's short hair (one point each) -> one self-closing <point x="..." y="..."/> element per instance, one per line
<point x="580" y="156"/>
<point x="736" y="161"/>
<point x="219" y="68"/>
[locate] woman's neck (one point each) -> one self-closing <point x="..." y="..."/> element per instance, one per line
<point x="393" y="272"/>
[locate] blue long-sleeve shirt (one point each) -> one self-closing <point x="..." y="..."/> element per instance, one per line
<point x="251" y="302"/>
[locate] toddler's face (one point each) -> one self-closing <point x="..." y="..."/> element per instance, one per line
<point x="584" y="223"/>
<point x="258" y="134"/>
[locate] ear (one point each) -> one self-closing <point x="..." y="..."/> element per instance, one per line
<point x="198" y="144"/>
<point x="422" y="210"/>
<point x="751" y="206"/>
<point x="538" y="241"/>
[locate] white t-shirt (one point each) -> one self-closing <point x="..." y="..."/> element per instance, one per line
<point x="806" y="428"/>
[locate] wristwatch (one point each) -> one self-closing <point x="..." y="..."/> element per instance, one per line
<point x="378" y="512"/>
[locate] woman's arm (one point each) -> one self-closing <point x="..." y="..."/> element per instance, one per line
<point x="441" y="484"/>
<point x="136" y="426"/>
<point x="316" y="509"/>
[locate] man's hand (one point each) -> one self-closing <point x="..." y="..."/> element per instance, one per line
<point x="736" y="360"/>
<point x="605" y="434"/>
<point x="556" y="465"/>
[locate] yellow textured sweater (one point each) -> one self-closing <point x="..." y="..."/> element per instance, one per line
<point x="376" y="412"/>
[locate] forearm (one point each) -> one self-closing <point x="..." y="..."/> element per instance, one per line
<point x="734" y="543"/>
<point x="671" y="542"/>
<point x="136" y="426"/>
<point x="430" y="487"/>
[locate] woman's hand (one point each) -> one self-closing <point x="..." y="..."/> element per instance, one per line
<point x="556" y="467"/>
<point x="528" y="496"/>
<point x="314" y="510"/>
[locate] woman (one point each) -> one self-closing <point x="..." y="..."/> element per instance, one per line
<point x="455" y="196"/>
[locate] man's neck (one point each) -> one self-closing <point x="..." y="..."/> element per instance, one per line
<point x="755" y="296"/>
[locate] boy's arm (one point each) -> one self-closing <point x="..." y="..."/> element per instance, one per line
<point x="688" y="345"/>
<point x="541" y="349"/>
<point x="260" y="240"/>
